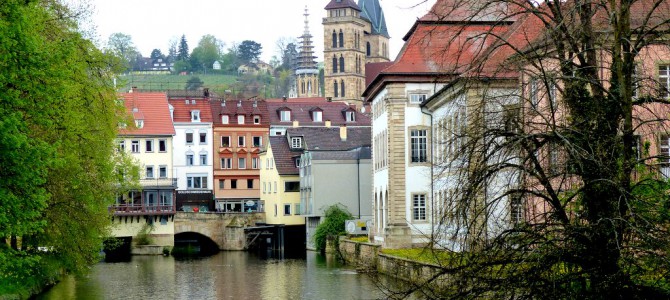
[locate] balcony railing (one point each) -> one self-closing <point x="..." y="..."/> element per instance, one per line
<point x="134" y="209"/>
<point x="158" y="182"/>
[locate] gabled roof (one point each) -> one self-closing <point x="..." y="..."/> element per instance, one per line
<point x="334" y="4"/>
<point x="153" y="109"/>
<point x="283" y="156"/>
<point x="301" y="112"/>
<point x="372" y="10"/>
<point x="249" y="108"/>
<point x="182" y="111"/>
<point x="359" y="153"/>
<point x="328" y="139"/>
<point x="373" y="69"/>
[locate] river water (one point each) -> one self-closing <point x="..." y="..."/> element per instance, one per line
<point x="225" y="275"/>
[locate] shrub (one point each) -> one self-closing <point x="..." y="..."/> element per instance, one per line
<point x="332" y="226"/>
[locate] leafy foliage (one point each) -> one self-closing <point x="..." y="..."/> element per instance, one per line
<point x="249" y="51"/>
<point x="332" y="225"/>
<point x="193" y="83"/>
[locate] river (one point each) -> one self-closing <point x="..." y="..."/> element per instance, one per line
<point x="225" y="275"/>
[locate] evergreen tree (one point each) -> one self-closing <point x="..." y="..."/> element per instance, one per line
<point x="182" y="52"/>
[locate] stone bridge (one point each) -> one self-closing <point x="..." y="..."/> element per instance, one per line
<point x="225" y="229"/>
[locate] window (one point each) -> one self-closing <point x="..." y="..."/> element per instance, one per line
<point x="250" y="183"/>
<point x="162" y="145"/>
<point x="350" y="116"/>
<point x="189" y="138"/>
<point x="341" y="38"/>
<point x="664" y="80"/>
<point x="287" y="209"/>
<point x="257" y="120"/>
<point x="196" y="181"/>
<point x="240" y="141"/>
<point x="257" y="141"/>
<point x="285" y="115"/>
<point x="233" y="183"/>
<point x="317" y="116"/>
<point x="203" y="138"/>
<point x="334" y="64"/>
<point x="291" y="186"/>
<point x="139" y="123"/>
<point x="275" y="210"/>
<point x="240" y="119"/>
<point x="241" y="163"/>
<point x="534" y="97"/>
<point x="189" y="159"/>
<point x="417" y="98"/>
<point x="149" y="145"/>
<point x="553" y="90"/>
<point x="334" y="44"/>
<point x="342" y="94"/>
<point x="275" y="187"/>
<point x="297" y="162"/>
<point x="367" y="49"/>
<point x="297" y="210"/>
<point x="195" y="116"/>
<point x="224" y="119"/>
<point x="296" y="142"/>
<point x="335" y="89"/>
<point x="135" y="146"/>
<point x="419" y="207"/>
<point x="162" y="171"/>
<point x="122" y="145"/>
<point x="516" y="209"/>
<point x="254" y="163"/>
<point x="225" y="141"/>
<point x="264" y="187"/>
<point x="150" y="171"/>
<point x="341" y="64"/>
<point x="418" y="140"/>
<point x="222" y="184"/>
<point x="203" y="159"/>
<point x="226" y="163"/>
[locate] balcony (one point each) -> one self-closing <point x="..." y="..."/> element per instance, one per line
<point x="141" y="210"/>
<point x="158" y="183"/>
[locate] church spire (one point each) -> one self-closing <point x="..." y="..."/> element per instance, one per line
<point x="306" y="56"/>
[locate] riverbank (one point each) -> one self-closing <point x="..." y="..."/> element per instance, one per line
<point x="48" y="275"/>
<point x="369" y="257"/>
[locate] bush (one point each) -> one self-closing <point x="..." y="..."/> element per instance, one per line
<point x="332" y="226"/>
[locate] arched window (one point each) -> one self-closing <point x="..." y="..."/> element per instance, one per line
<point x="309" y="86"/>
<point x="335" y="88"/>
<point x="341" y="39"/>
<point x="341" y="63"/>
<point x="302" y="86"/>
<point x="334" y="39"/>
<point x="334" y="64"/>
<point x="342" y="88"/>
<point x="367" y="48"/>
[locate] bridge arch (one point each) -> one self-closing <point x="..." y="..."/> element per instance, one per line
<point x="226" y="230"/>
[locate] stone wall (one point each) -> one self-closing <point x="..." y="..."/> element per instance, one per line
<point x="226" y="230"/>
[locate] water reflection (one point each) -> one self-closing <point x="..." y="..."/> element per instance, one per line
<point x="226" y="275"/>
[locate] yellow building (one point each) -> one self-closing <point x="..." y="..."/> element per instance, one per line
<point x="280" y="183"/>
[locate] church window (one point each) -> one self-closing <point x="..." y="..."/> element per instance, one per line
<point x="341" y="63"/>
<point x="367" y="48"/>
<point x="342" y="87"/>
<point x="334" y="64"/>
<point x="335" y="88"/>
<point x="334" y="39"/>
<point x="341" y="39"/>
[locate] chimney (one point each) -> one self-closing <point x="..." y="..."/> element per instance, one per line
<point x="205" y="92"/>
<point x="296" y="124"/>
<point x="343" y="132"/>
<point x="284" y="98"/>
<point x="327" y="124"/>
<point x="329" y="99"/>
<point x="133" y="89"/>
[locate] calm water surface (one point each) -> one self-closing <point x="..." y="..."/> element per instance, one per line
<point x="226" y="275"/>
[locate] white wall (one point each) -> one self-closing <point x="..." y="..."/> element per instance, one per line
<point x="196" y="148"/>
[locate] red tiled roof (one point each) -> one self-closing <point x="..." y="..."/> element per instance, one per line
<point x="333" y="4"/>
<point x="283" y="155"/>
<point x="467" y="11"/>
<point x="373" y="69"/>
<point x="322" y="138"/>
<point x="182" y="111"/>
<point x="300" y="111"/>
<point x="247" y="108"/>
<point x="306" y="99"/>
<point x="153" y="107"/>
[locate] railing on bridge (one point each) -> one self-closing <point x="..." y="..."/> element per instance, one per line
<point x="158" y="182"/>
<point x="133" y="210"/>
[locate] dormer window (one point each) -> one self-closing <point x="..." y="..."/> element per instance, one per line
<point x="257" y="120"/>
<point x="139" y="123"/>
<point x="296" y="142"/>
<point x="224" y="119"/>
<point x="186" y="101"/>
<point x="317" y="116"/>
<point x="350" y="116"/>
<point x="195" y="116"/>
<point x="285" y="115"/>
<point x="240" y="119"/>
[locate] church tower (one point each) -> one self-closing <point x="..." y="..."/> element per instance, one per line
<point x="353" y="36"/>
<point x="307" y="73"/>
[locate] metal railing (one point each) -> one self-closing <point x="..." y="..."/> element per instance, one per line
<point x="158" y="182"/>
<point x="135" y="209"/>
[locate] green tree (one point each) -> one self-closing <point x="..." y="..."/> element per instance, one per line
<point x="193" y="83"/>
<point x="249" y="52"/>
<point x="122" y="45"/>
<point x="182" y="51"/>
<point x="156" y="54"/>
<point x="59" y="119"/>
<point x="208" y="51"/>
<point x="332" y="226"/>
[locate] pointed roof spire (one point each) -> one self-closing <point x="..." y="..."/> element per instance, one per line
<point x="342" y="4"/>
<point x="306" y="57"/>
<point x="372" y="10"/>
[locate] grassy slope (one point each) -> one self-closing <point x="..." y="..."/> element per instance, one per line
<point x="172" y="82"/>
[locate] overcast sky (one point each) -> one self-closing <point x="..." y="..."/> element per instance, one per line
<point x="153" y="23"/>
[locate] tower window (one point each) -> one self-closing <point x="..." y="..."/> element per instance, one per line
<point x="342" y="87"/>
<point x="335" y="88"/>
<point x="367" y="48"/>
<point x="341" y="39"/>
<point x="341" y="63"/>
<point x="334" y="39"/>
<point x="334" y="64"/>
